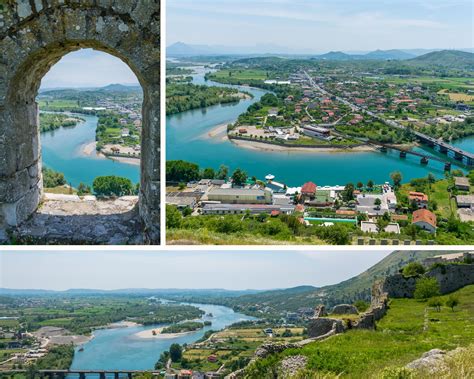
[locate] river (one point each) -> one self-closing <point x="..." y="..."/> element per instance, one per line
<point x="187" y="139"/>
<point x="62" y="150"/>
<point x="119" y="349"/>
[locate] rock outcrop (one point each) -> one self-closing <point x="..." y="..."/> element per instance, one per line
<point x="291" y="365"/>
<point x="344" y="309"/>
<point x="323" y="325"/>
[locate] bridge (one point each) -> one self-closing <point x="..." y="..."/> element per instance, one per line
<point x="81" y="374"/>
<point x="425" y="158"/>
<point x="444" y="148"/>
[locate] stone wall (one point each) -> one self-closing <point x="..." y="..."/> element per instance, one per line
<point x="450" y="277"/>
<point x="34" y="35"/>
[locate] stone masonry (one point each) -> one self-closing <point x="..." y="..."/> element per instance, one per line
<point x="34" y="35"/>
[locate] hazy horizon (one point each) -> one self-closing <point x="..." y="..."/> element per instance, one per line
<point x="316" y="26"/>
<point x="88" y="68"/>
<point x="231" y="270"/>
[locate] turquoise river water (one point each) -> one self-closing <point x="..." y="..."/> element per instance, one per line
<point x="120" y="349"/>
<point x="62" y="150"/>
<point x="187" y="138"/>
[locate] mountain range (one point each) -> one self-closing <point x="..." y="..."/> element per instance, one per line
<point x="181" y="49"/>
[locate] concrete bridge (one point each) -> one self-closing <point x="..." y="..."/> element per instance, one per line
<point x="81" y="374"/>
<point x="459" y="154"/>
<point x="425" y="158"/>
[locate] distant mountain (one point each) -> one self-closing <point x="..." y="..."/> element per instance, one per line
<point x="389" y="54"/>
<point x="119" y="88"/>
<point x="446" y="58"/>
<point x="336" y="56"/>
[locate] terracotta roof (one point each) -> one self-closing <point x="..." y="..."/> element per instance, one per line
<point x="424" y="215"/>
<point x="420" y="196"/>
<point x="299" y="208"/>
<point x="308" y="187"/>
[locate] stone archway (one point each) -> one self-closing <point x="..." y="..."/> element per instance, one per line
<point x="34" y="35"/>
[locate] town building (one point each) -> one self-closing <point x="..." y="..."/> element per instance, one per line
<point x="419" y="198"/>
<point x="462" y="183"/>
<point x="244" y="208"/>
<point x="465" y="201"/>
<point x="308" y="191"/>
<point x="371" y="227"/>
<point x="425" y="219"/>
<point x="240" y="196"/>
<point x="316" y="131"/>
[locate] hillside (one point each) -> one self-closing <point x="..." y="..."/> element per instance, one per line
<point x="452" y="59"/>
<point x="409" y="329"/>
<point x="348" y="291"/>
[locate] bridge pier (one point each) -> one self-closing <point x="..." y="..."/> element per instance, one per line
<point x="82" y="375"/>
<point x="116" y="375"/>
<point x="424" y="160"/>
<point x="403" y="154"/>
<point x="447" y="166"/>
<point x="443" y="150"/>
<point x="129" y="375"/>
<point x="102" y="375"/>
<point x="458" y="156"/>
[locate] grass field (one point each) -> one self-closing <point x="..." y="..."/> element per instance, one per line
<point x="241" y="74"/>
<point x="207" y="237"/>
<point x="456" y="96"/>
<point x="400" y="337"/>
<point x="438" y="192"/>
<point x="57" y="104"/>
<point x="231" y="345"/>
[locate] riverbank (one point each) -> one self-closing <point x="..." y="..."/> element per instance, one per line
<point x="157" y="334"/>
<point x="262" y="146"/>
<point x="90" y="149"/>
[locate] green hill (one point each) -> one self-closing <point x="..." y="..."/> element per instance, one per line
<point x="348" y="291"/>
<point x="452" y="59"/>
<point x="409" y="329"/>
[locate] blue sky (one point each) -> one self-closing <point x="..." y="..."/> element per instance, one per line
<point x="322" y="25"/>
<point x="179" y="269"/>
<point x="88" y="68"/>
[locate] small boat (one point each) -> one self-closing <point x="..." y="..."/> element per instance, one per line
<point x="81" y="349"/>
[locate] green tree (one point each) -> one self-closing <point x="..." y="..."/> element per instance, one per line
<point x="173" y="217"/>
<point x="370" y="184"/>
<point x="223" y="172"/>
<point x="348" y="192"/>
<point x="208" y="173"/>
<point x="360" y="185"/>
<point x="239" y="177"/>
<point x="413" y="269"/>
<point x="426" y="288"/>
<point x="112" y="186"/>
<point x="176" y="352"/>
<point x="435" y="302"/>
<point x="181" y="171"/>
<point x="396" y="177"/>
<point x="52" y="178"/>
<point x="452" y="302"/>
<point x="361" y="305"/>
<point x="83" y="189"/>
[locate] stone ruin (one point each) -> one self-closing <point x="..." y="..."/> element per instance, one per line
<point x="34" y="35"/>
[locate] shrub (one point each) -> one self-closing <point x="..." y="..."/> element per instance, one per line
<point x="52" y="178"/>
<point x="397" y="373"/>
<point x="361" y="305"/>
<point x="426" y="288"/>
<point x="452" y="302"/>
<point x="413" y="269"/>
<point x="112" y="186"/>
<point x="436" y="303"/>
